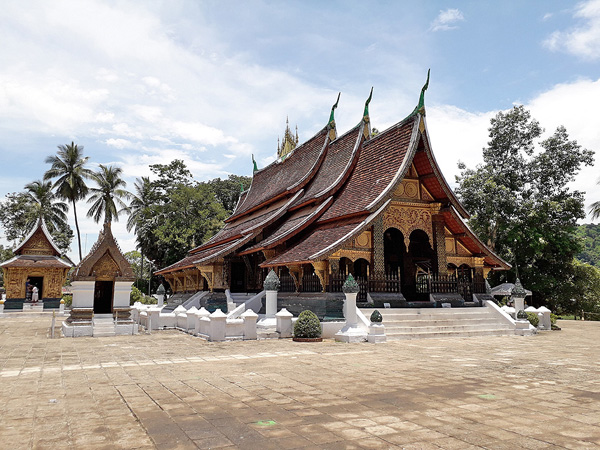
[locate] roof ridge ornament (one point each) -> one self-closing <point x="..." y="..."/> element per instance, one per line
<point x="331" y="123"/>
<point x="420" y="108"/>
<point x="366" y="111"/>
<point x="366" y="118"/>
<point x="254" y="162"/>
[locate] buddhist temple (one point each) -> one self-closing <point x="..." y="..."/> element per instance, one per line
<point x="37" y="263"/>
<point x="101" y="285"/>
<point x="374" y="205"/>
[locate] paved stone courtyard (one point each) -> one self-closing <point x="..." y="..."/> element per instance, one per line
<point x="171" y="390"/>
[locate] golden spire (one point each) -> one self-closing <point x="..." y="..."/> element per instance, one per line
<point x="289" y="141"/>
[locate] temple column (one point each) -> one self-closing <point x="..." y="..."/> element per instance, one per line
<point x="378" y="252"/>
<point x="439" y="242"/>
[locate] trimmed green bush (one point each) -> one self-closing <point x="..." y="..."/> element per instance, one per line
<point x="376" y="317"/>
<point x="68" y="298"/>
<point x="553" y="318"/>
<point x="533" y="318"/>
<point x="307" y="325"/>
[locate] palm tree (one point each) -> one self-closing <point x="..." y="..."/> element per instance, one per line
<point x="595" y="208"/>
<point x="45" y="205"/>
<point x="107" y="196"/>
<point x="68" y="166"/>
<point x="139" y="206"/>
<point x="140" y="203"/>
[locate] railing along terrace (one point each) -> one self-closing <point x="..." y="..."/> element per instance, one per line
<point x="311" y="283"/>
<point x="287" y="283"/>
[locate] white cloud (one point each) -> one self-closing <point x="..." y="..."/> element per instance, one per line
<point x="582" y="40"/>
<point x="447" y="20"/>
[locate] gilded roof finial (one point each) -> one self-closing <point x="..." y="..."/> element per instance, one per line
<point x="296" y="134"/>
<point x="366" y="112"/>
<point x="420" y="108"/>
<point x="331" y="124"/>
<point x="421" y="105"/>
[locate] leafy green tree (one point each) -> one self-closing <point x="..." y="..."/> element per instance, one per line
<point x="44" y="204"/>
<point x="106" y="199"/>
<point x="140" y="206"/>
<point x="228" y="191"/>
<point x="590" y="237"/>
<point x="20" y="211"/>
<point x="580" y="290"/>
<point x="191" y="216"/>
<point x="68" y="167"/>
<point x="595" y="208"/>
<point x="520" y="202"/>
<point x="141" y="269"/>
<point x="170" y="175"/>
<point x="5" y="254"/>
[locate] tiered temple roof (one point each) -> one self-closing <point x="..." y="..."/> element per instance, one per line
<point x="328" y="190"/>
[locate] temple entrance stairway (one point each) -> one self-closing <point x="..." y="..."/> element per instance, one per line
<point x="104" y="325"/>
<point x="419" y="323"/>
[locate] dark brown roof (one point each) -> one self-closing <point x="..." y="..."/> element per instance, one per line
<point x="35" y="261"/>
<point x="297" y="221"/>
<point x="379" y="161"/>
<point x="335" y="165"/>
<point x="317" y="240"/>
<point x="284" y="177"/>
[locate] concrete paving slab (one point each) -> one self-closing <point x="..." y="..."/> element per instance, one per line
<point x="171" y="390"/>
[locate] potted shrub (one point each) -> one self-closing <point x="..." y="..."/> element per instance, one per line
<point x="307" y="328"/>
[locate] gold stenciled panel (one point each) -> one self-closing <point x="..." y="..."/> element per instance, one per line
<point x="449" y="245"/>
<point x="38" y="245"/>
<point x="408" y="189"/>
<point x="105" y="268"/>
<point x="15" y="279"/>
<point x="407" y="219"/>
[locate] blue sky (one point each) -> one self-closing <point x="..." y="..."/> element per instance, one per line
<point x="212" y="82"/>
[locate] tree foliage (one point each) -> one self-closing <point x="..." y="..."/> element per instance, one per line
<point x="107" y="198"/>
<point x="520" y="201"/>
<point x="172" y="214"/>
<point x="228" y="191"/>
<point x="20" y="211"/>
<point x="590" y="237"/>
<point x="68" y="167"/>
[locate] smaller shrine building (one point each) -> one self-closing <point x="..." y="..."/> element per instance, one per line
<point x="37" y="263"/>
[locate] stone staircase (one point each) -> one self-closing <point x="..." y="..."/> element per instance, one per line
<point x="419" y="323"/>
<point x="104" y="325"/>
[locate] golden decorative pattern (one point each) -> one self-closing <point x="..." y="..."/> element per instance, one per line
<point x="407" y="189"/>
<point x="106" y="268"/>
<point x="462" y="250"/>
<point x="408" y="219"/>
<point x="38" y="245"/>
<point x="450" y="245"/>
<point x="363" y="240"/>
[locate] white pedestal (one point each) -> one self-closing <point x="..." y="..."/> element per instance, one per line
<point x="376" y="333"/>
<point x="351" y="332"/>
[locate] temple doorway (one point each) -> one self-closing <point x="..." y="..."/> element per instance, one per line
<point x="419" y="260"/>
<point x="39" y="283"/>
<point x="103" y="297"/>
<point x="394" y="251"/>
<point x="361" y="268"/>
<point x="238" y="277"/>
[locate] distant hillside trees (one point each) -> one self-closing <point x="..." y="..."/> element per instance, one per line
<point x="590" y="236"/>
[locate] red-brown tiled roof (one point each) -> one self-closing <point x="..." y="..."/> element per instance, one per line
<point x="335" y="164"/>
<point x="286" y="176"/>
<point x="312" y="243"/>
<point x="294" y="224"/>
<point x="378" y="163"/>
<point x="35" y="261"/>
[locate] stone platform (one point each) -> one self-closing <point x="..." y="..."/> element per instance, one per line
<point x="170" y="390"/>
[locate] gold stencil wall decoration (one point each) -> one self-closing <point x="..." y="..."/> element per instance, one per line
<point x="105" y="268"/>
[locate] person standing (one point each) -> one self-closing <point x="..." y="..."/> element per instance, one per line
<point x="27" y="290"/>
<point x="35" y="294"/>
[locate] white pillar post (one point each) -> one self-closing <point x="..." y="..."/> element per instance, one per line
<point x="284" y="323"/>
<point x="218" y="326"/>
<point x="249" y="317"/>
<point x="351" y="332"/>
